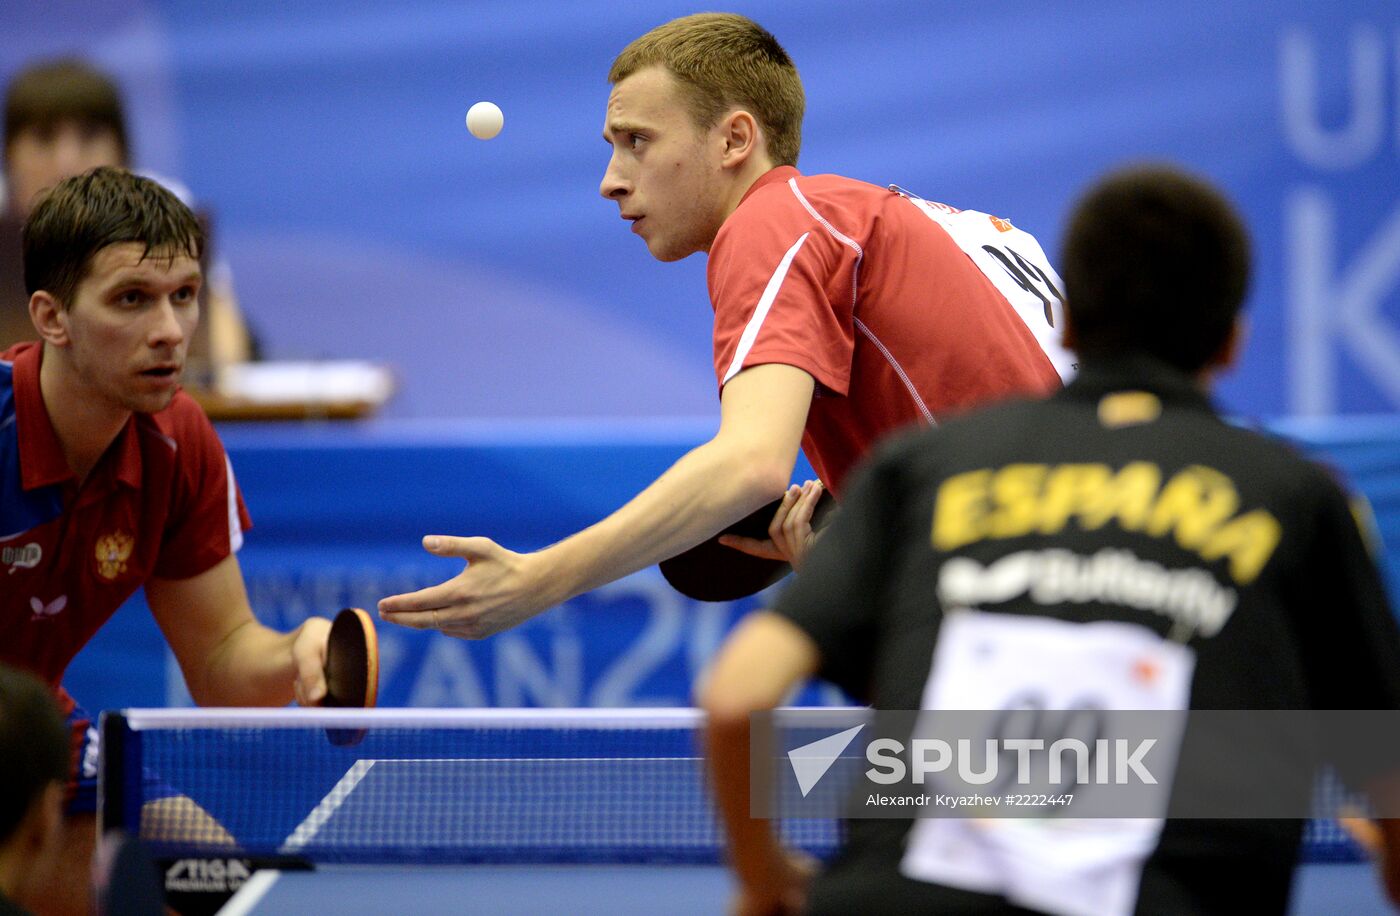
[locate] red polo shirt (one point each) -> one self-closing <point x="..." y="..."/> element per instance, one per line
<point x="902" y="312"/>
<point x="161" y="501"/>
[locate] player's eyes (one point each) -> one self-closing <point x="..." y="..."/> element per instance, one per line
<point x="136" y="297"/>
<point x="635" y="140"/>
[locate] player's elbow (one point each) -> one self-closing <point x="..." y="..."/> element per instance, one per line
<point x="205" y="694"/>
<point x="759" y="476"/>
<point x="729" y="700"/>
<point x="771" y="478"/>
<point x="200" y="685"/>
<point x="726" y="709"/>
<point x="755" y="669"/>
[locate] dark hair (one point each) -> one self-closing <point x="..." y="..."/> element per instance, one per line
<point x="724" y="61"/>
<point x="1156" y="261"/>
<point x="43" y="95"/>
<point x="80" y="216"/>
<point x="34" y="745"/>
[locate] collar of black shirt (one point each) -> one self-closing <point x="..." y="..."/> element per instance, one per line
<point x="1137" y="372"/>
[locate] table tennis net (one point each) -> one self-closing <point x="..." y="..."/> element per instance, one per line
<point x="439" y="786"/>
<point x="449" y="786"/>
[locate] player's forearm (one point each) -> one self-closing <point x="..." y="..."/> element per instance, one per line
<point x="252" y="666"/>
<point x="710" y="487"/>
<point x="762" y="660"/>
<point x="754" y="850"/>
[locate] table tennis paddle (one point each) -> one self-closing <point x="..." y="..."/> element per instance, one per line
<point x="127" y="880"/>
<point x="710" y="571"/>
<point x="352" y="670"/>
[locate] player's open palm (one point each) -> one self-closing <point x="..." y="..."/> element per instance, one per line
<point x="497" y="589"/>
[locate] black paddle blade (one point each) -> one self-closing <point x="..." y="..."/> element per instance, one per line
<point x="710" y="571"/>
<point x="352" y="670"/>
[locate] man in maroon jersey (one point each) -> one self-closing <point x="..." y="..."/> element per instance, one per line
<point x="112" y="479"/>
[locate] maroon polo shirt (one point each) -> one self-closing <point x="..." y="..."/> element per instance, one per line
<point x="161" y="501"/>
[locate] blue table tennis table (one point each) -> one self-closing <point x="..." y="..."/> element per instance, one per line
<point x="1319" y="889"/>
<point x="481" y="811"/>
<point x="533" y="889"/>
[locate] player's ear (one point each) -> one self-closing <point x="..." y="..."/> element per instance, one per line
<point x="40" y="828"/>
<point x="49" y="317"/>
<point x="742" y="138"/>
<point x="50" y="805"/>
<point x="1233" y="345"/>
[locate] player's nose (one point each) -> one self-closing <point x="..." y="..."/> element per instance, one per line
<point x="613" y="186"/>
<point x="68" y="155"/>
<point x="167" y="329"/>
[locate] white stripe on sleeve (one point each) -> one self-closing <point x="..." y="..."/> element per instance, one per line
<point x="765" y="302"/>
<point x="235" y="527"/>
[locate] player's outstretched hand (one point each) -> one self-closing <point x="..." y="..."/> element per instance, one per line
<point x="309" y="656"/>
<point x="790" y="533"/>
<point x="496" y="590"/>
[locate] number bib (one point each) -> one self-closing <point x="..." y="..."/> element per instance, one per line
<point x="1016" y="264"/>
<point x="1070" y="866"/>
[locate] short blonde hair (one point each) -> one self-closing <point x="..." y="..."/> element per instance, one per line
<point x="726" y="61"/>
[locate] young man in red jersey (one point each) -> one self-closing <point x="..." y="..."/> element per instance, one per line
<point x="843" y="311"/>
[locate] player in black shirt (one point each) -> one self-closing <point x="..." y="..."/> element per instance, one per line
<point x="1125" y="500"/>
<point x="34" y="749"/>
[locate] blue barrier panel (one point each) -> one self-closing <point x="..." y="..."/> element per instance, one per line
<point x="361" y="219"/>
<point x="338" y="512"/>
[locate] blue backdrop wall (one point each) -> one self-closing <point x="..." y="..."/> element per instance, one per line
<point x="339" y="511"/>
<point x="361" y="220"/>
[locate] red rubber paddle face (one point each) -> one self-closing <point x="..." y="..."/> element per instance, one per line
<point x="352" y="670"/>
<point x="352" y="661"/>
<point x="710" y="571"/>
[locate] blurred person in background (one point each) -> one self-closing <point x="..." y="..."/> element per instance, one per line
<point x="62" y="118"/>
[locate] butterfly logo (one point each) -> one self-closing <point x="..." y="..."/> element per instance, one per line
<point x="42" y="610"/>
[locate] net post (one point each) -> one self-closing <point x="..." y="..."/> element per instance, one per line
<point x="118" y="775"/>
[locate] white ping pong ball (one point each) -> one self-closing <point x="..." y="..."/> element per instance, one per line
<point x="484" y="120"/>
